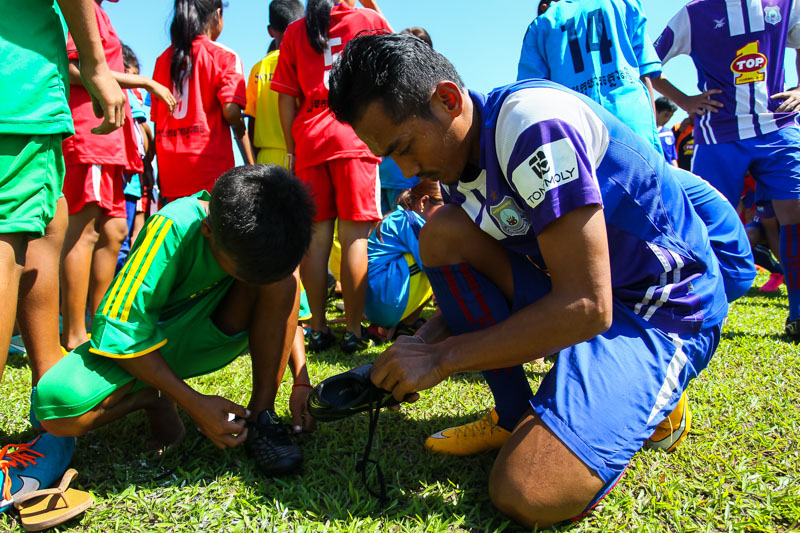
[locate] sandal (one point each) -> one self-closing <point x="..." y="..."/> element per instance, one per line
<point x="46" y="508"/>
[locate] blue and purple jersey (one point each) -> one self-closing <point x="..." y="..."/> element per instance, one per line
<point x="546" y="151"/>
<point x="737" y="47"/>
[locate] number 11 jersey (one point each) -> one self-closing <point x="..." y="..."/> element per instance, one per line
<point x="599" y="48"/>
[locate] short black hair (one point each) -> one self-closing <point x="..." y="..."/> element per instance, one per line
<point x="261" y="216"/>
<point x="284" y="12"/>
<point x="400" y="71"/>
<point x="664" y="104"/>
<point x="129" y="59"/>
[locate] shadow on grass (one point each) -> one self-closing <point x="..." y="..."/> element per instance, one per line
<point x="17" y="360"/>
<point x="452" y="490"/>
<point x="734" y="335"/>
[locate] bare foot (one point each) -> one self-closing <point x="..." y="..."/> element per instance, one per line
<point x="166" y="427"/>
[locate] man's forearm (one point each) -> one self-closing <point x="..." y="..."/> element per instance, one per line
<point x="665" y="87"/>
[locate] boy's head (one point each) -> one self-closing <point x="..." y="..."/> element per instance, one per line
<point x="129" y="60"/>
<point x="664" y="110"/>
<point x="405" y="101"/>
<point x="422" y="33"/>
<point x="281" y="14"/>
<point x="259" y="222"/>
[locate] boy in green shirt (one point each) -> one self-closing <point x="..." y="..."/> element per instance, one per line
<point x="204" y="272"/>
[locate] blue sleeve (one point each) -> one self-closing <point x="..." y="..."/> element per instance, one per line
<point x="138" y="111"/>
<point x="648" y="61"/>
<point x="404" y="226"/>
<point x="531" y="62"/>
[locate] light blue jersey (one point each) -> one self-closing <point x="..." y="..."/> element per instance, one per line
<point x="599" y="48"/>
<point x="389" y="273"/>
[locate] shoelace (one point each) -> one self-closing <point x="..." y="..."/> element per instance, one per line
<point x="477" y="427"/>
<point x="361" y="466"/>
<point x="23" y="456"/>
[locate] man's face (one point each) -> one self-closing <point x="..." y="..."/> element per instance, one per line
<point x="432" y="148"/>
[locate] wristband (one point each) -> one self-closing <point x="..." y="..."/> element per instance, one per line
<point x="309" y="385"/>
<point x="288" y="161"/>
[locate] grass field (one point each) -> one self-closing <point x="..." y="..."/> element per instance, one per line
<point x="738" y="471"/>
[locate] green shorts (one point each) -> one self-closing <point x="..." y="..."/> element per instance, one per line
<point x="31" y="178"/>
<point x="194" y="347"/>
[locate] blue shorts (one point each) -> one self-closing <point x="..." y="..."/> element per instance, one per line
<point x="773" y="160"/>
<point x="604" y="397"/>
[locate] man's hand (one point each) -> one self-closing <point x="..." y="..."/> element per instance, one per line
<point x="211" y="414"/>
<point x="700" y="103"/>
<point x="298" y="404"/>
<point x="408" y="366"/>
<point x="791" y="100"/>
<point x="162" y="93"/>
<point x="108" y="99"/>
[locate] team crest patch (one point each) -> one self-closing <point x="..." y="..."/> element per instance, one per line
<point x="772" y="15"/>
<point x="510" y="217"/>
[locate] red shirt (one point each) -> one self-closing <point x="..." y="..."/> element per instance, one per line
<point x="303" y="73"/>
<point x="193" y="144"/>
<point x="116" y="148"/>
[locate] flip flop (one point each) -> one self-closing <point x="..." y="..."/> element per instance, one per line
<point x="46" y="508"/>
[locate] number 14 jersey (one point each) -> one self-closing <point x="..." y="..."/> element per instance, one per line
<point x="599" y="48"/>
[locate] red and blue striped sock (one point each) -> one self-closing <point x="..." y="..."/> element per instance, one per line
<point x="790" y="260"/>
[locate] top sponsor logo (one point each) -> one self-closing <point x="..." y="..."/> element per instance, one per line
<point x="750" y="65"/>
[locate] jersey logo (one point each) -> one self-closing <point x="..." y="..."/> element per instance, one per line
<point x="552" y="165"/>
<point x="719" y="23"/>
<point x="772" y="15"/>
<point x="750" y="65"/>
<point x="509" y="217"/>
<point x="539" y="164"/>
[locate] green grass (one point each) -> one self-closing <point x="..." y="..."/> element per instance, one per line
<point x="738" y="471"/>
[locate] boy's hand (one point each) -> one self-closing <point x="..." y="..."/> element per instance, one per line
<point x="162" y="93"/>
<point x="210" y="413"/>
<point x="791" y="100"/>
<point x="108" y="99"/>
<point x="298" y="405"/>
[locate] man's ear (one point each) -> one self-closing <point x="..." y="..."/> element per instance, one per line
<point x="448" y="95"/>
<point x="273" y="32"/>
<point x="205" y="228"/>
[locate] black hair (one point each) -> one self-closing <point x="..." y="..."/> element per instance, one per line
<point x="400" y="71"/>
<point x="284" y="12"/>
<point x="261" y="216"/>
<point x="129" y="58"/>
<point x="318" y="22"/>
<point x="188" y="21"/>
<point x="422" y="33"/>
<point x="664" y="104"/>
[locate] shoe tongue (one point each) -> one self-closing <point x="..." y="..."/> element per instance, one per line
<point x="268" y="416"/>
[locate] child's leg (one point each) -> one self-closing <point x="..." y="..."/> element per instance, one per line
<point x="76" y="264"/>
<point x="353" y="236"/>
<point x="12" y="261"/>
<point x="314" y="270"/>
<point x="269" y="313"/>
<point x="37" y="312"/>
<point x="112" y="233"/>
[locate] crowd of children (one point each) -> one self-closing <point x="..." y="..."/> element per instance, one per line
<point x="547" y="234"/>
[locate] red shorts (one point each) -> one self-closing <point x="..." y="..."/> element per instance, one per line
<point x="345" y="188"/>
<point x="101" y="184"/>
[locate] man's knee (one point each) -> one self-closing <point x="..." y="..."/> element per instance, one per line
<point x="440" y="237"/>
<point x="537" y="480"/>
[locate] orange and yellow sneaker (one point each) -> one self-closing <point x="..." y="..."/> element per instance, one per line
<point x="671" y="432"/>
<point x="474" y="437"/>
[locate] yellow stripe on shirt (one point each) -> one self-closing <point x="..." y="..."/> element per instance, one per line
<point x="139" y="279"/>
<point x="161" y="225"/>
<point x="120" y="277"/>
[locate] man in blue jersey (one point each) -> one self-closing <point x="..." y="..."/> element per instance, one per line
<point x="599" y="48"/>
<point x="556" y="240"/>
<point x="749" y="124"/>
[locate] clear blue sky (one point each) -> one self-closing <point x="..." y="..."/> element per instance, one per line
<point x="481" y="38"/>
